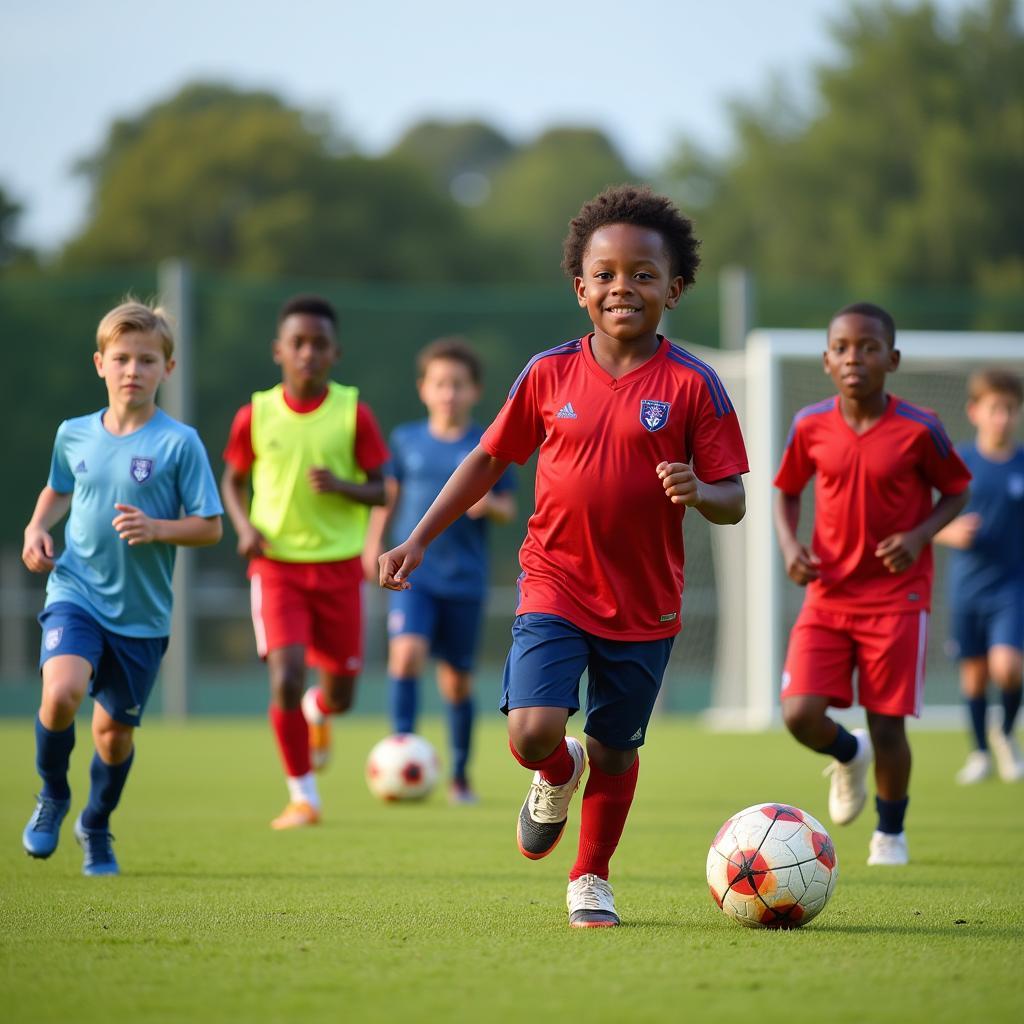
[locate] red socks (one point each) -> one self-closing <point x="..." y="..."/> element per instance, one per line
<point x="606" y="802"/>
<point x="556" y="768"/>
<point x="292" y="734"/>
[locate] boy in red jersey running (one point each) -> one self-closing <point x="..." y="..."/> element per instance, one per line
<point x="315" y="455"/>
<point x="631" y="431"/>
<point x="876" y="459"/>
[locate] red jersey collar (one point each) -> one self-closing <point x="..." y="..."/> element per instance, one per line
<point x="635" y="374"/>
<point x="301" y="405"/>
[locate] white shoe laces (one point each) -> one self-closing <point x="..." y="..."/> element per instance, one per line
<point x="547" y="801"/>
<point x="591" y="892"/>
<point x="842" y="778"/>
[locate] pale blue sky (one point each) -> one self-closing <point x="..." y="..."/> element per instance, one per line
<point x="647" y="72"/>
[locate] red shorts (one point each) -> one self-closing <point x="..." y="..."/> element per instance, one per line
<point x="887" y="651"/>
<point x="318" y="605"/>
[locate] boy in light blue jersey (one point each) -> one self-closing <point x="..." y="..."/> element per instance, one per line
<point x="137" y="484"/>
<point x="442" y="615"/>
<point x="986" y="573"/>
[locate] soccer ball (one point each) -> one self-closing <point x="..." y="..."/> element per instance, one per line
<point x="772" y="866"/>
<point x="402" y="767"/>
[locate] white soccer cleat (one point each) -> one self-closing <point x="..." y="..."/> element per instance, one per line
<point x="544" y="812"/>
<point x="977" y="768"/>
<point x="319" y="731"/>
<point x="848" y="790"/>
<point x="1008" y="756"/>
<point x="591" y="903"/>
<point x="888" y="849"/>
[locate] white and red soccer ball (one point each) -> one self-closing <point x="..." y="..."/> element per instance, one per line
<point x="402" y="767"/>
<point x="772" y="866"/>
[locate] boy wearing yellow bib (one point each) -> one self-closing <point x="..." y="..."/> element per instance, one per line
<point x="313" y="455"/>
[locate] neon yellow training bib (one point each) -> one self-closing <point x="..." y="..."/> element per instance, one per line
<point x="300" y="524"/>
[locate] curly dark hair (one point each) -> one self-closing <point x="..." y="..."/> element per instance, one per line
<point x="872" y="312"/>
<point x="634" y="204"/>
<point x="316" y="305"/>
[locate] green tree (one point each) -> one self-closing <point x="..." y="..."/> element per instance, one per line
<point x="12" y="252"/>
<point x="239" y="180"/>
<point x="450" y="149"/>
<point x="906" y="170"/>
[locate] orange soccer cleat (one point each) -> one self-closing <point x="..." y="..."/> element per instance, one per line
<point x="296" y="815"/>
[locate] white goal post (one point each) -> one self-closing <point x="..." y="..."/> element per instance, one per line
<point x="779" y="372"/>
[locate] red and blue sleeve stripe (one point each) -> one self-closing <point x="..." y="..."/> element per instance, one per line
<point x="568" y="348"/>
<point x="719" y="396"/>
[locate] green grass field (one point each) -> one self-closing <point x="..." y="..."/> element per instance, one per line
<point x="428" y="912"/>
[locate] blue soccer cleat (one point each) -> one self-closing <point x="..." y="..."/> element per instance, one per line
<point x="43" y="829"/>
<point x="99" y="853"/>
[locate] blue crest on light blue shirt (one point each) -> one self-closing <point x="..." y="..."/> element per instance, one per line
<point x="654" y="415"/>
<point x="142" y="469"/>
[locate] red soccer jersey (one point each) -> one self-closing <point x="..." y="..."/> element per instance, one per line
<point x="370" y="449"/>
<point x="604" y="546"/>
<point x="867" y="487"/>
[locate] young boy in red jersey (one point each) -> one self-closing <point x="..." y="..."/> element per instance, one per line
<point x="875" y="459"/>
<point x="315" y="454"/>
<point x="631" y="431"/>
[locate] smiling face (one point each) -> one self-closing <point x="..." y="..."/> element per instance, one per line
<point x="305" y="349"/>
<point x="133" y="366"/>
<point x="627" y="282"/>
<point x="859" y="356"/>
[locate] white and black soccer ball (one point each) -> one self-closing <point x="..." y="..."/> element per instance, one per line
<point x="402" y="767"/>
<point x="772" y="866"/>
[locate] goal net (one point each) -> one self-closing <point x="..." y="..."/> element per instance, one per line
<point x="755" y="604"/>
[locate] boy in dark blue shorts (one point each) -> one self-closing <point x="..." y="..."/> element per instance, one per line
<point x="986" y="573"/>
<point x="631" y="431"/>
<point x="443" y="614"/>
<point x="126" y="473"/>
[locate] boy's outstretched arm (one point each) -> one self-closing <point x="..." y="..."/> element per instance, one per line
<point x="723" y="502"/>
<point x="51" y="507"/>
<point x="899" y="551"/>
<point x="476" y="475"/>
<point x="801" y="563"/>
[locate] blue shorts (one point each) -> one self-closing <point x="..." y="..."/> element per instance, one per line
<point x="124" y="668"/>
<point x="450" y="624"/>
<point x="547" y="660"/>
<point x="994" y="620"/>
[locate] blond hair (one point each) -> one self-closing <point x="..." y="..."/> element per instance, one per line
<point x="132" y="315"/>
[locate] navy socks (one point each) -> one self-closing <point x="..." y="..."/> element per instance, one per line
<point x="1011" y="705"/>
<point x="891" y="814"/>
<point x="53" y="752"/>
<point x="107" y="782"/>
<point x="403" y="696"/>
<point x="976" y="707"/>
<point x="843" y="748"/>
<point x="460" y="728"/>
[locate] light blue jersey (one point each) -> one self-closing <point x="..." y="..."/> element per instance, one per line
<point x="162" y="469"/>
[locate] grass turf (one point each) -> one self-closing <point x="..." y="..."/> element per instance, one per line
<point x="427" y="912"/>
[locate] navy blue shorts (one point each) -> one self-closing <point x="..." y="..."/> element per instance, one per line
<point x="548" y="657"/>
<point x="996" y="620"/>
<point x="450" y="624"/>
<point x="124" y="668"/>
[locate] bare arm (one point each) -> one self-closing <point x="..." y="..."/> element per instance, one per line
<point x="499" y="508"/>
<point x="801" y="563"/>
<point x="370" y="492"/>
<point x="722" y="502"/>
<point x="51" y="507"/>
<point x="899" y="551"/>
<point x="476" y="475"/>
<point x="134" y="526"/>
<point x="234" y="492"/>
<point x="960" y="533"/>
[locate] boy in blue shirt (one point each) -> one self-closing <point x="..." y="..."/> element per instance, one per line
<point x="986" y="572"/>
<point x="443" y="613"/>
<point x="137" y="484"/>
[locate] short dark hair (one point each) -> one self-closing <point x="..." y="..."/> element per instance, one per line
<point x="994" y="380"/>
<point x="315" y="305"/>
<point x="455" y="349"/>
<point x="638" y="205"/>
<point x="869" y="309"/>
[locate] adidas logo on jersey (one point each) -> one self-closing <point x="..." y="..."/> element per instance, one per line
<point x="638" y="735"/>
<point x="80" y="468"/>
<point x="567" y="412"/>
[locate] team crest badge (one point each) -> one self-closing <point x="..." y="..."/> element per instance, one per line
<point x="142" y="469"/>
<point x="52" y="639"/>
<point x="654" y="415"/>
